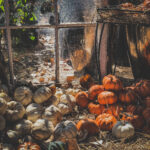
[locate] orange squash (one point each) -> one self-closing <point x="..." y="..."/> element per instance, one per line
<point x="89" y="125"/>
<point x="82" y="99"/>
<point x="111" y="82"/>
<point x="94" y="91"/>
<point x="106" y="121"/>
<point x="95" y="108"/>
<point x="107" y="97"/>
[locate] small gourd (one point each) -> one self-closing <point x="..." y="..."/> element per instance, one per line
<point x="23" y="95"/>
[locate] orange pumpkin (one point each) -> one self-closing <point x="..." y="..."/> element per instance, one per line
<point x="95" y="108"/>
<point x="147" y="101"/>
<point x="128" y="95"/>
<point x="86" y="81"/>
<point x="89" y="125"/>
<point x="146" y="114"/>
<point x="94" y="91"/>
<point x="143" y="88"/>
<point x="113" y="109"/>
<point x="111" y="82"/>
<point x="134" y="109"/>
<point x="29" y="146"/>
<point x="106" y="121"/>
<point x="82" y="99"/>
<point x="136" y="120"/>
<point x="107" y="97"/>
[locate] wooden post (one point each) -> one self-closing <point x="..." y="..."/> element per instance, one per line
<point x="8" y="35"/>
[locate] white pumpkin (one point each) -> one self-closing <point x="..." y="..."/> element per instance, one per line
<point x="42" y="94"/>
<point x="52" y="114"/>
<point x="72" y="92"/>
<point x="65" y="109"/>
<point x="2" y="123"/>
<point x="42" y="129"/>
<point x="23" y="127"/>
<point x="15" y="111"/>
<point x="5" y="97"/>
<point x="23" y="95"/>
<point x="68" y="100"/>
<point x="123" y="129"/>
<point x="3" y="106"/>
<point x="34" y="112"/>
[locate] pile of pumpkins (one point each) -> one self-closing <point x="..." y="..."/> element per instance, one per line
<point x="40" y="115"/>
<point x="119" y="109"/>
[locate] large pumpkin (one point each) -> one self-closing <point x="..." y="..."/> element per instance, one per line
<point x="128" y="96"/>
<point x="95" y="108"/>
<point x="42" y="94"/>
<point x="53" y="114"/>
<point x="34" y="112"/>
<point x="94" y="91"/>
<point x="107" y="97"/>
<point x="3" y="106"/>
<point x="82" y="99"/>
<point x="23" y="95"/>
<point x="15" y="111"/>
<point x="143" y="88"/>
<point x="29" y="146"/>
<point x="89" y="125"/>
<point x="111" y="82"/>
<point x="2" y="123"/>
<point x="106" y="121"/>
<point x="123" y="129"/>
<point x="42" y="129"/>
<point x="57" y="145"/>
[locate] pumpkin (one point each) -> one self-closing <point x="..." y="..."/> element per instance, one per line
<point x="95" y="108"/>
<point x="123" y="129"/>
<point x="128" y="96"/>
<point x="12" y="135"/>
<point x="146" y="114"/>
<point x="111" y="82"/>
<point x="107" y="97"/>
<point x="29" y="146"/>
<point x="86" y="81"/>
<point x="134" y="109"/>
<point x="66" y="131"/>
<point x="114" y="109"/>
<point x="54" y="100"/>
<point x="15" y="111"/>
<point x="143" y="88"/>
<point x="42" y="94"/>
<point x="57" y="145"/>
<point x="2" y="123"/>
<point x="136" y="120"/>
<point x="147" y="101"/>
<point x="106" y="121"/>
<point x="23" y="95"/>
<point x="52" y="114"/>
<point x="7" y="146"/>
<point x="72" y="92"/>
<point x="42" y="129"/>
<point x="94" y="91"/>
<point x="5" y="97"/>
<point x="65" y="109"/>
<point x="3" y="106"/>
<point x="34" y="112"/>
<point x="23" y="127"/>
<point x="68" y="100"/>
<point x="89" y="125"/>
<point x="82" y="99"/>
